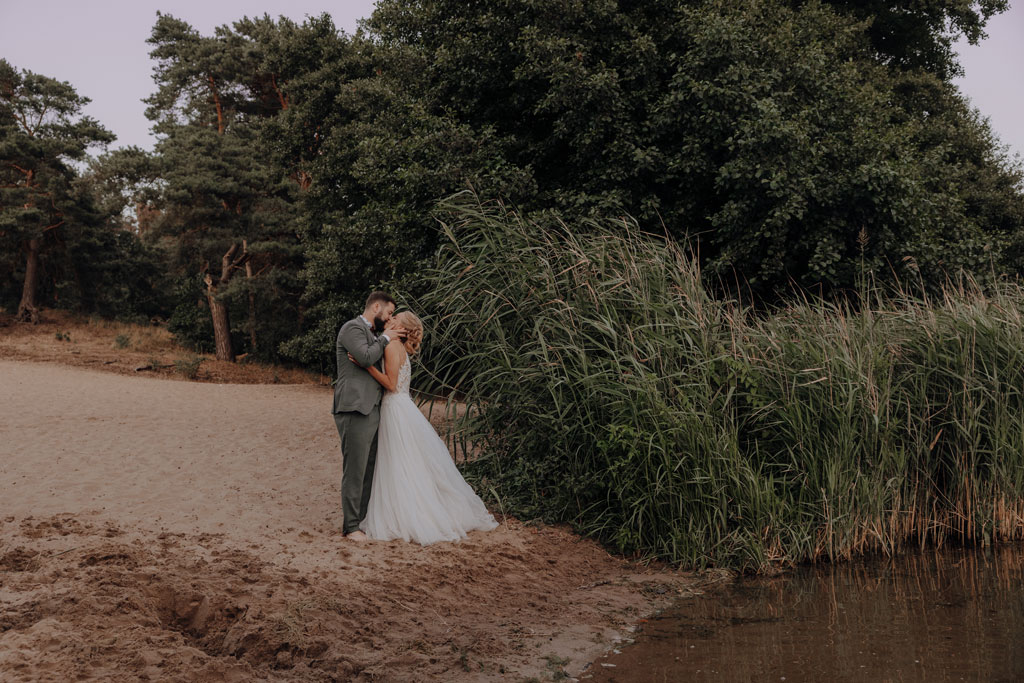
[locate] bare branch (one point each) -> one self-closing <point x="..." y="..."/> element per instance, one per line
<point x="226" y="264"/>
<point x="27" y="171"/>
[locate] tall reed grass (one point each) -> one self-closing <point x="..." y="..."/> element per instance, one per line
<point x="607" y="388"/>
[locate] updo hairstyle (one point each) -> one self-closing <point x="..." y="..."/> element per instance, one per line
<point x="414" y="327"/>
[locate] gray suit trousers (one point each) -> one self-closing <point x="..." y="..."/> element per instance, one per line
<point x="358" y="434"/>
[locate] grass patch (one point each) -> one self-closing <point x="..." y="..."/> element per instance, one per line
<point x="188" y="367"/>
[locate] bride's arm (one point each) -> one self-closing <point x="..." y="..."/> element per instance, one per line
<point x="392" y="363"/>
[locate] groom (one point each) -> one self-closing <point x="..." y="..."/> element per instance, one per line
<point x="357" y="405"/>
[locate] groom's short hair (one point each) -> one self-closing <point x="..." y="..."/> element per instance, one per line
<point x="380" y="296"/>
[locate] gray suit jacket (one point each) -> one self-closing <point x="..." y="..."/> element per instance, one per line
<point x="355" y="389"/>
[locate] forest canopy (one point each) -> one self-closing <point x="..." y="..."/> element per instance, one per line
<point x="792" y="145"/>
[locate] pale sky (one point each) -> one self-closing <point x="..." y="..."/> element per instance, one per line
<point x="994" y="75"/>
<point x="100" y="48"/>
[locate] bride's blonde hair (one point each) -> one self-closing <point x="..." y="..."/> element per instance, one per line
<point x="412" y="324"/>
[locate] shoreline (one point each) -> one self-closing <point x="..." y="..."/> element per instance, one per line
<point x="188" y="531"/>
<point x="84" y="596"/>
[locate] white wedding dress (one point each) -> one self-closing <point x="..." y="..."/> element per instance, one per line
<point x="418" y="493"/>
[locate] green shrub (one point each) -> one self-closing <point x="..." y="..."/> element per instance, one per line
<point x="188" y="367"/>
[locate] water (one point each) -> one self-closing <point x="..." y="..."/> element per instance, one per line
<point x="949" y="615"/>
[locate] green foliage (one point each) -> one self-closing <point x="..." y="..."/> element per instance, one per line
<point x="771" y="134"/>
<point x="42" y="130"/>
<point x="225" y="212"/>
<point x="920" y="35"/>
<point x="114" y="274"/>
<point x="607" y="388"/>
<point x="123" y="184"/>
<point x="376" y="160"/>
<point x="188" y="367"/>
<point x="88" y="260"/>
<point x="190" y="319"/>
<point x="794" y="143"/>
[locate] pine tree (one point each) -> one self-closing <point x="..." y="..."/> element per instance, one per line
<point x="42" y="130"/>
<point x="226" y="209"/>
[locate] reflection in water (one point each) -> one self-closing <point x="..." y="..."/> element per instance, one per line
<point x="941" y="615"/>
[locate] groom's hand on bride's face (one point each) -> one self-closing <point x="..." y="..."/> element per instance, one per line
<point x="398" y="333"/>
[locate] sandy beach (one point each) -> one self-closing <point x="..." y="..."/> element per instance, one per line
<point x="153" y="529"/>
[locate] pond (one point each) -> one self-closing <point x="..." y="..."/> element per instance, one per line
<point x="938" y="615"/>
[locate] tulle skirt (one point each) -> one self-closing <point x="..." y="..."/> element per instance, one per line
<point x="418" y="493"/>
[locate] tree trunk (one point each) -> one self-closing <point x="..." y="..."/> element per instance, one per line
<point x="216" y="100"/>
<point x="219" y="310"/>
<point x="221" y="324"/>
<point x="252" y="304"/>
<point x="27" y="311"/>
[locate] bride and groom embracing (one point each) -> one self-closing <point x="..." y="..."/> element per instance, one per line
<point x="398" y="479"/>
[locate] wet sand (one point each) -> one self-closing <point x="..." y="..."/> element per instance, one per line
<point x="181" y="531"/>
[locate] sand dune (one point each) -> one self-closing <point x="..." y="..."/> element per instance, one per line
<point x="169" y="530"/>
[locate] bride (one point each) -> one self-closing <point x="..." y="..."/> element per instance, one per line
<point x="417" y="493"/>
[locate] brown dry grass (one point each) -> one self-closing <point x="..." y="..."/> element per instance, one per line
<point x="150" y="350"/>
<point x="125" y="348"/>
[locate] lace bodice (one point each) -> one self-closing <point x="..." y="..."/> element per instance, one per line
<point x="404" y="377"/>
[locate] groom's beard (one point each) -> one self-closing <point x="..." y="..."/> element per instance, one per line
<point x="378" y="325"/>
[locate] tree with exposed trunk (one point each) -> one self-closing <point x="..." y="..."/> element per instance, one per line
<point x="222" y="201"/>
<point x="218" y="308"/>
<point x="42" y="129"/>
